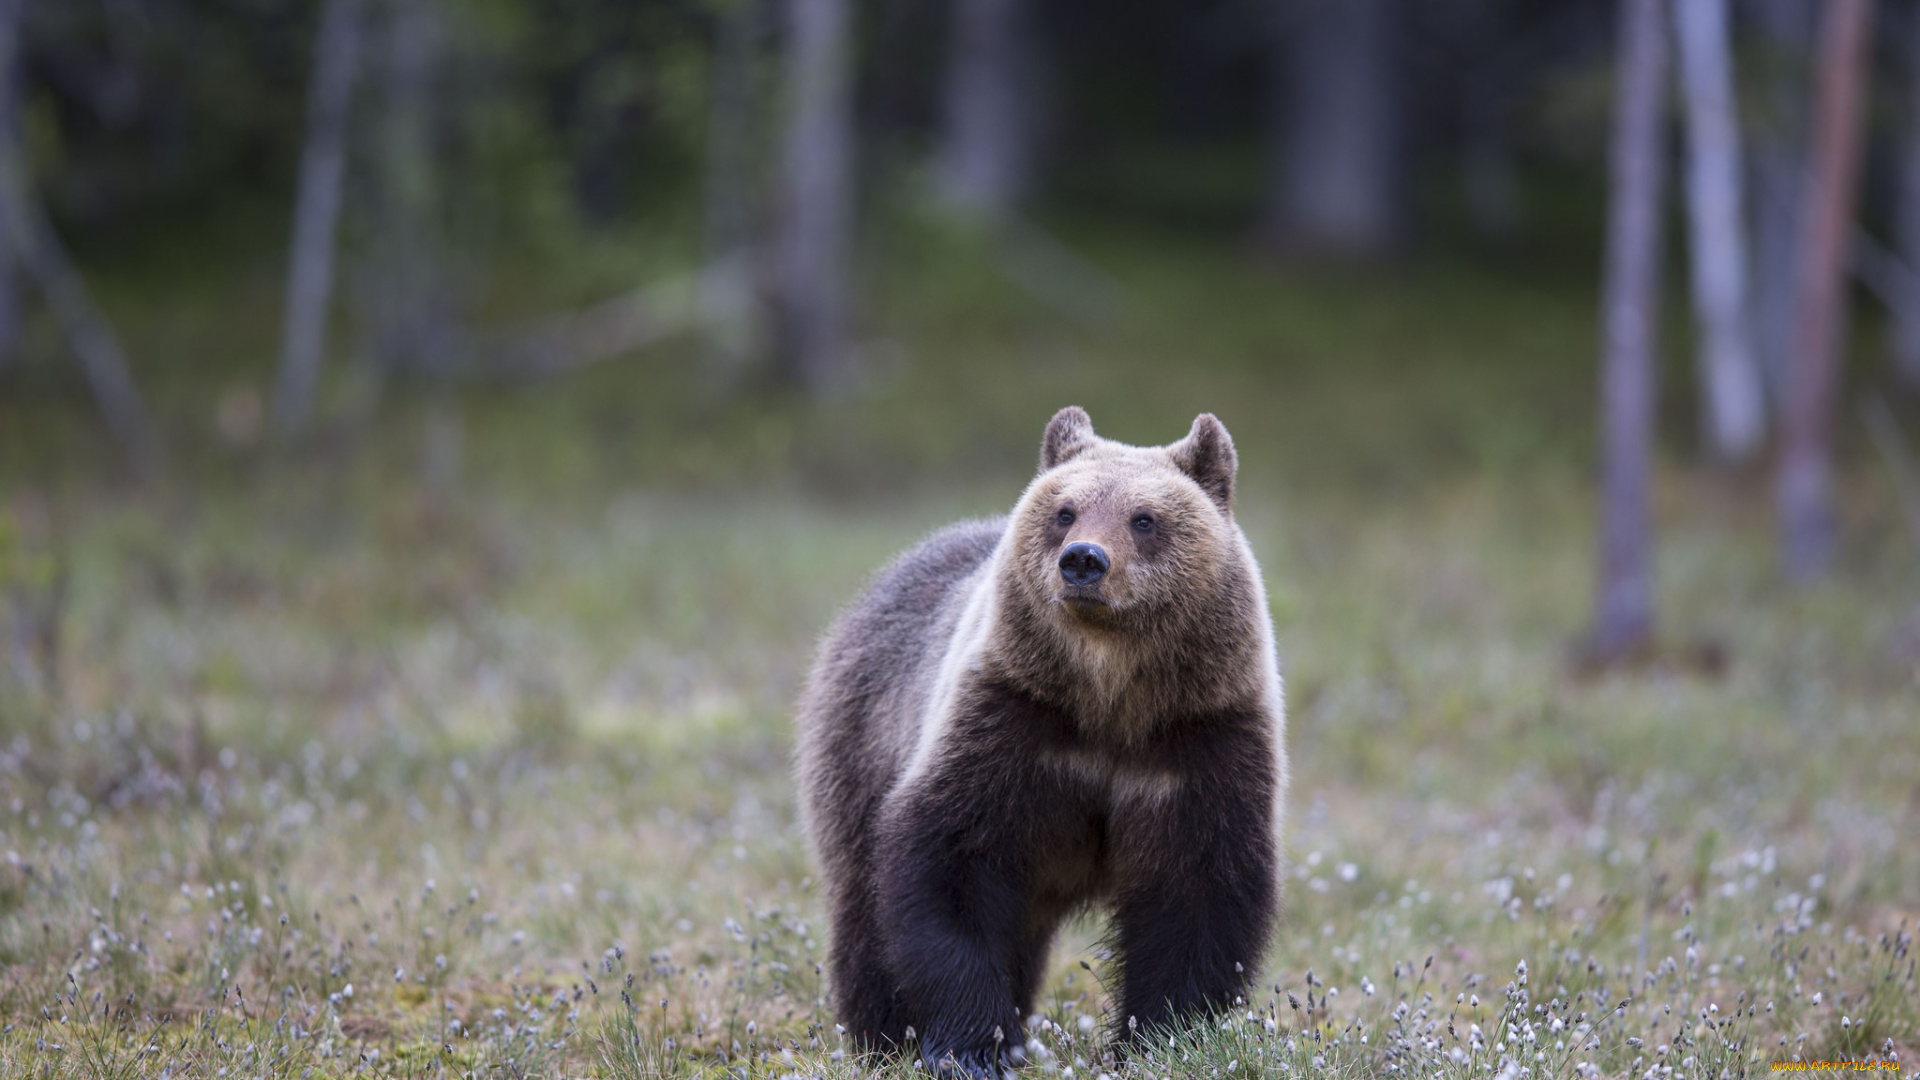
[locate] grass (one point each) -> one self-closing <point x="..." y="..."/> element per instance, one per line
<point x="335" y="764"/>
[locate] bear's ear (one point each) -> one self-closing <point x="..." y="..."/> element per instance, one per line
<point x="1206" y="455"/>
<point x="1069" y="432"/>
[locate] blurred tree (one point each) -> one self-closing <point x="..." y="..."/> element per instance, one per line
<point x="317" y="212"/>
<point x="1778" y="160"/>
<point x="409" y="309"/>
<point x="990" y="108"/>
<point x="1337" y="185"/>
<point x="1906" y="215"/>
<point x="730" y="179"/>
<point x="9" y="265"/>
<point x="36" y="247"/>
<point x="1629" y="316"/>
<point x="815" y="215"/>
<point x="1805" y="480"/>
<point x="9" y="301"/>
<point x="1734" y="405"/>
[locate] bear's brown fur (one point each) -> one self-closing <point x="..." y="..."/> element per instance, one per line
<point x="1079" y="704"/>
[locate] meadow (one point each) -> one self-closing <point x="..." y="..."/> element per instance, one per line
<point x="456" y="741"/>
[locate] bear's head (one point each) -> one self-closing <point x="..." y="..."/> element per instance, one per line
<point x="1111" y="537"/>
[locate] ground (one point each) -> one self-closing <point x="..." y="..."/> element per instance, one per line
<point x="458" y="740"/>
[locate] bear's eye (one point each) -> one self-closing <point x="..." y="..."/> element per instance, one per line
<point x="1064" y="518"/>
<point x="1143" y="523"/>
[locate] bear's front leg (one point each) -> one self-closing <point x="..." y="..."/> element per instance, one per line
<point x="953" y="911"/>
<point x="1195" y="898"/>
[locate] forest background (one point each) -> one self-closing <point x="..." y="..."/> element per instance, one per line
<point x="434" y="432"/>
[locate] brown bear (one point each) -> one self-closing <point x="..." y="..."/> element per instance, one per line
<point x="1075" y="705"/>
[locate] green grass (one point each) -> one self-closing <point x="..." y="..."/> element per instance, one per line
<point x="507" y="752"/>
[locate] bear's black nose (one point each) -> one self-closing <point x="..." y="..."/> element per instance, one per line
<point x="1083" y="564"/>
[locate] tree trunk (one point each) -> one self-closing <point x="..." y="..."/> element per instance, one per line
<point x="39" y="254"/>
<point x="816" y="205"/>
<point x="9" y="302"/>
<point x="1805" y="481"/>
<point x="1623" y="620"/>
<point x="1734" y="405"/>
<point x="412" y="322"/>
<point x="9" y="298"/>
<point x="726" y="285"/>
<point x="9" y="264"/>
<point x="317" y="213"/>
<point x="1337" y="185"/>
<point x="986" y="155"/>
<point x="1906" y="315"/>
<point x="1779" y="164"/>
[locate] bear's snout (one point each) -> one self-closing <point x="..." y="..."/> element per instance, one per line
<point x="1084" y="563"/>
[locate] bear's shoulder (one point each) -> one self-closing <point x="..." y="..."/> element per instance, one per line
<point x="891" y="637"/>
<point x="953" y="548"/>
<point x="924" y="576"/>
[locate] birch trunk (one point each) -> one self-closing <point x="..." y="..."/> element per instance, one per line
<point x="816" y="205"/>
<point x="1623" y="619"/>
<point x="1805" y="481"/>
<point x="985" y="159"/>
<point x="37" y="251"/>
<point x="9" y="264"/>
<point x="317" y="213"/>
<point x="1337" y="185"/>
<point x="411" y="321"/>
<point x="1779" y="168"/>
<point x="1734" y="406"/>
<point x="1906" y="313"/>
<point x="726" y="284"/>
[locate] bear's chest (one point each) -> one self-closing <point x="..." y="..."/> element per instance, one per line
<point x="1086" y="791"/>
<point x="1106" y="780"/>
<point x="1070" y="867"/>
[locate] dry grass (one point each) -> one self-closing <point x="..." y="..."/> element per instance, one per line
<point x="309" y="770"/>
<point x="267" y="822"/>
